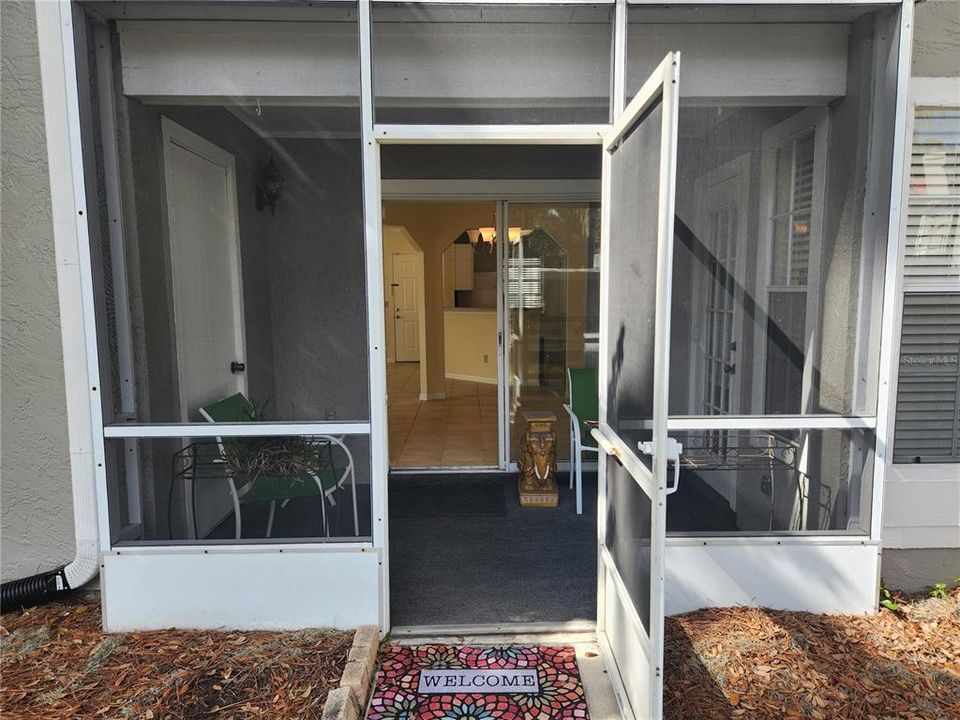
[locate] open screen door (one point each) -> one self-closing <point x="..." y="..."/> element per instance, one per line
<point x="639" y="168"/>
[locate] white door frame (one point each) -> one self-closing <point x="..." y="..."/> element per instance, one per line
<point x="177" y="135"/>
<point x="501" y="192"/>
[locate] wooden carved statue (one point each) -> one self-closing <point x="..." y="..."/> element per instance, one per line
<point x="538" y="462"/>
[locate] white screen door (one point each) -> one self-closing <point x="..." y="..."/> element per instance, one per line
<point x="636" y="260"/>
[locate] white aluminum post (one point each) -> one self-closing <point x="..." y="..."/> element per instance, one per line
<point x="618" y="97"/>
<point x="503" y="336"/>
<point x="118" y="261"/>
<point x="888" y="332"/>
<point x="376" y="333"/>
<point x="668" y="171"/>
<point x="602" y="380"/>
<point x="74" y="279"/>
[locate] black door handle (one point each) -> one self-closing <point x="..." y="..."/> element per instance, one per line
<point x="237" y="367"/>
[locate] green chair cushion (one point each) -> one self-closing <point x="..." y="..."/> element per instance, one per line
<point x="233" y="409"/>
<point x="585" y="401"/>
<point x="277" y="487"/>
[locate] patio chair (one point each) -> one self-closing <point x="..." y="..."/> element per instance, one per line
<point x="584" y="408"/>
<point x="323" y="480"/>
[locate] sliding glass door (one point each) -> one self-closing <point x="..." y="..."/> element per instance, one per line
<point x="550" y="290"/>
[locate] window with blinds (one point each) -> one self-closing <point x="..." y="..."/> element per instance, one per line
<point x="932" y="241"/>
<point x="790" y="221"/>
<point x="525" y="283"/>
<point x="927" y="424"/>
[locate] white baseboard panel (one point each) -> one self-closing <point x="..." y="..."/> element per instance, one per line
<point x="812" y="577"/>
<point x="259" y="589"/>
<point x="472" y="378"/>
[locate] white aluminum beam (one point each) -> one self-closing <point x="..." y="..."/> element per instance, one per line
<point x="771" y="422"/>
<point x="251" y="429"/>
<point x="490" y="134"/>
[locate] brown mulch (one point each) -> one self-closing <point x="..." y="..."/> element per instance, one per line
<point x="56" y="663"/>
<point x="768" y="665"/>
<point x="721" y="663"/>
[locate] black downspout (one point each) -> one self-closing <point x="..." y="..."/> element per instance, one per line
<point x="33" y="590"/>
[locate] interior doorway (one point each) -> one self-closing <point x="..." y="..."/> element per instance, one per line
<point x="442" y="344"/>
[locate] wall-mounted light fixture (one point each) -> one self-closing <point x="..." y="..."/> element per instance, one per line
<point x="487" y="236"/>
<point x="269" y="187"/>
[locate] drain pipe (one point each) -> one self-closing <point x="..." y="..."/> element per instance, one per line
<point x="74" y="287"/>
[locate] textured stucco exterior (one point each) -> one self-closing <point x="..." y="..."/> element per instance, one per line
<point x="936" y="39"/>
<point x="36" y="515"/>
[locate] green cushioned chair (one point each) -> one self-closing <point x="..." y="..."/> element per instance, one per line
<point x="322" y="481"/>
<point x="583" y="408"/>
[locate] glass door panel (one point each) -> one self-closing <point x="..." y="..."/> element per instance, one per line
<point x="636" y="266"/>
<point x="551" y="290"/>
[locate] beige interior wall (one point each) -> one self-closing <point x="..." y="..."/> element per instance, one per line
<point x="433" y="227"/>
<point x="471" y="344"/>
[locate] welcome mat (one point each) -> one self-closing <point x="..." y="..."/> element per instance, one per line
<point x="450" y="682"/>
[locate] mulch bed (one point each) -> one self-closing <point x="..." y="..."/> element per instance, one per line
<point x="722" y="663"/>
<point x="56" y="663"/>
<point x="767" y="665"/>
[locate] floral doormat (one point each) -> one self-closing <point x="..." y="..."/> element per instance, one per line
<point x="448" y="682"/>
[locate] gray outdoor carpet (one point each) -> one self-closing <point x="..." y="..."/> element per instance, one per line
<point x="462" y="550"/>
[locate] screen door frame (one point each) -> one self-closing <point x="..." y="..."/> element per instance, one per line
<point x="633" y="654"/>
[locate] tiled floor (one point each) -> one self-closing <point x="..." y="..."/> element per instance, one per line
<point x="460" y="431"/>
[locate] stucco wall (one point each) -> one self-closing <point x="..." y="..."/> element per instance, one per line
<point x="36" y="516"/>
<point x="936" y="39"/>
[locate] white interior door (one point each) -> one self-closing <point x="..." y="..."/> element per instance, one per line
<point x="639" y="168"/>
<point x="205" y="267"/>
<point x="406" y="310"/>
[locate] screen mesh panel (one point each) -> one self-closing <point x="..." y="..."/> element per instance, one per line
<point x="635" y="173"/>
<point x="628" y="535"/>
